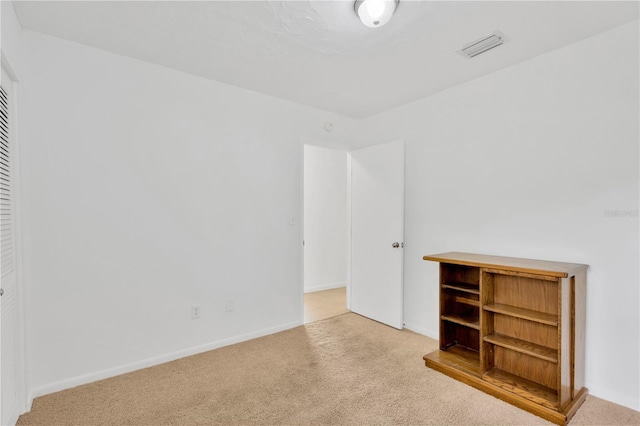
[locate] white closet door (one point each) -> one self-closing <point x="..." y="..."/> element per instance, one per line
<point x="9" y="362"/>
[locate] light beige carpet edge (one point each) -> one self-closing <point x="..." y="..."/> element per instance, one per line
<point x="347" y="370"/>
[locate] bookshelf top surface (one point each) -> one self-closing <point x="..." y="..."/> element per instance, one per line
<point x="545" y="267"/>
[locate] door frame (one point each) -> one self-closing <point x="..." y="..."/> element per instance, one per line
<point x="24" y="398"/>
<point x="347" y="150"/>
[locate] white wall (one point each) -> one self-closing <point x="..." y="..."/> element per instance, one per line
<point x="148" y="191"/>
<point x="325" y="218"/>
<point x="526" y="162"/>
<point x="10" y="35"/>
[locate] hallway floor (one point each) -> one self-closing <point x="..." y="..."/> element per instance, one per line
<point x="325" y="304"/>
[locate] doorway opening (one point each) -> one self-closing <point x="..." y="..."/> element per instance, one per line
<point x="325" y="232"/>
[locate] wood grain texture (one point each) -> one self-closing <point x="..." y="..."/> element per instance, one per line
<point x="520" y="274"/>
<point x="487" y="322"/>
<point x="446" y="340"/>
<point x="523" y="346"/>
<point x="464" y="287"/>
<point x="528" y="314"/>
<point x="460" y="274"/>
<point x="459" y="304"/>
<point x="456" y="357"/>
<point x="571" y="409"/>
<point x="467" y="301"/>
<point x="527" y="389"/>
<point x="467" y="321"/>
<point x="579" y="322"/>
<point x="539" y="267"/>
<point x="456" y="334"/>
<point x="565" y="342"/>
<point x="527" y="293"/>
<point x="534" y="332"/>
<point x="531" y="368"/>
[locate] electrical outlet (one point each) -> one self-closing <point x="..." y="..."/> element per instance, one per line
<point x="228" y="306"/>
<point x="195" y="312"/>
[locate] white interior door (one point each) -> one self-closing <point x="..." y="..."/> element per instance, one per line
<point x="377" y="232"/>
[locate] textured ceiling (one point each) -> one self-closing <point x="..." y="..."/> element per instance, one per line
<point x="317" y="53"/>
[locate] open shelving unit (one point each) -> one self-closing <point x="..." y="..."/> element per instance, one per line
<point x="514" y="328"/>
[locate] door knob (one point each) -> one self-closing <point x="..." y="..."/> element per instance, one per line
<point x="395" y="245"/>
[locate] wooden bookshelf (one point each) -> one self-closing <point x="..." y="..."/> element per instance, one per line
<point x="514" y="328"/>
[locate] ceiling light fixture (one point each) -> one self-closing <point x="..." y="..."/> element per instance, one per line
<point x="375" y="13"/>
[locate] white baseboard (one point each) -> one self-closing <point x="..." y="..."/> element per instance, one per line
<point x="150" y="362"/>
<point x="421" y="330"/>
<point x="29" y="402"/>
<point x="324" y="287"/>
<point x="615" y="397"/>
<point x="12" y="417"/>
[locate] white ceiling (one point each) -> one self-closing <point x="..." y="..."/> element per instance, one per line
<point x="317" y="53"/>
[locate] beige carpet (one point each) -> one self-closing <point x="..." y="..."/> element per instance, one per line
<point x="346" y="370"/>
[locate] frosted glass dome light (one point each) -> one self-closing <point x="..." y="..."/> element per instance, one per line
<point x="375" y="13"/>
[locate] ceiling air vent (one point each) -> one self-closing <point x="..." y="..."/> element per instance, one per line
<point x="477" y="47"/>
